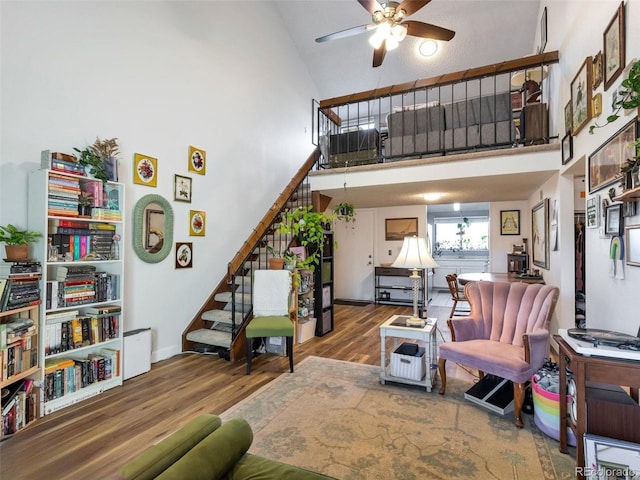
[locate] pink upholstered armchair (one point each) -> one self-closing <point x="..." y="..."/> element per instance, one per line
<point x="506" y="333"/>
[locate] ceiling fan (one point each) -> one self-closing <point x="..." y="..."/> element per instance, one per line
<point x="391" y="26"/>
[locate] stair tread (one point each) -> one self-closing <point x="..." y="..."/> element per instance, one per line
<point x="210" y="337"/>
<point x="240" y="297"/>
<point x="221" y="316"/>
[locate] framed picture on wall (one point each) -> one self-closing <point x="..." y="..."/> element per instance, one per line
<point x="632" y="241"/>
<point x="509" y="222"/>
<point x="184" y="255"/>
<point x="540" y="230"/>
<point x="181" y="188"/>
<point x="593" y="212"/>
<point x="614" y="47"/>
<point x="614" y="221"/>
<point x="567" y="149"/>
<point x="398" y="228"/>
<point x="581" y="97"/>
<point x="605" y="162"/>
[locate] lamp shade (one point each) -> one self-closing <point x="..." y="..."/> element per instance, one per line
<point x="535" y="74"/>
<point x="414" y="254"/>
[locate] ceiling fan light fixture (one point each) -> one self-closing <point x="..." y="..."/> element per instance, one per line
<point x="399" y="32"/>
<point x="392" y="43"/>
<point x="428" y="48"/>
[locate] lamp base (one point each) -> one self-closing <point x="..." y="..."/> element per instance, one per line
<point x="415" y="322"/>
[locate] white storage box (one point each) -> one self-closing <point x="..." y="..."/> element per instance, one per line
<point x="407" y="361"/>
<point x="306" y="329"/>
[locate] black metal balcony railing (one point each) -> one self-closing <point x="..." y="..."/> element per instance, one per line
<point x="498" y="106"/>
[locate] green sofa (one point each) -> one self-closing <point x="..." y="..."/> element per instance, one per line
<point x="205" y="449"/>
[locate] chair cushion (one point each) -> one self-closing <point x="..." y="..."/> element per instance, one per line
<point x="501" y="359"/>
<point x="276" y="326"/>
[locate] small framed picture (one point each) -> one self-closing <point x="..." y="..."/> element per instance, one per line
<point x="182" y="188"/>
<point x="614" y="221"/>
<point x="567" y="149"/>
<point x="614" y="48"/>
<point x="593" y="212"/>
<point x="197" y="160"/>
<point x="609" y="458"/>
<point x="398" y="228"/>
<point x="597" y="105"/>
<point x="543" y="31"/>
<point x="597" y="70"/>
<point x="581" y="97"/>
<point x="196" y="223"/>
<point x="509" y="222"/>
<point x="567" y="117"/>
<point x="632" y="234"/>
<point x="145" y="170"/>
<point x="184" y="255"/>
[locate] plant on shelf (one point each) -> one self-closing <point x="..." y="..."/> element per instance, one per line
<point x="628" y="96"/>
<point x="290" y="260"/>
<point x="85" y="203"/>
<point x="345" y="212"/>
<point x="17" y="241"/>
<point x="276" y="262"/>
<point x="310" y="228"/>
<point x="98" y="158"/>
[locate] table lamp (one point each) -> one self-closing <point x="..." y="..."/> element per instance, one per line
<point x="414" y="255"/>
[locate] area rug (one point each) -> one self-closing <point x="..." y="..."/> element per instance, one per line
<point x="335" y="417"/>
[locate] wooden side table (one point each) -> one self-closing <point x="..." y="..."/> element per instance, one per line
<point x="610" y="371"/>
<point x="395" y="329"/>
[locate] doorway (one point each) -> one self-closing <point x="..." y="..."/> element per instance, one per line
<point x="354" y="263"/>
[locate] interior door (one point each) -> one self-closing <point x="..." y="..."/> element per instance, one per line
<point x="353" y="266"/>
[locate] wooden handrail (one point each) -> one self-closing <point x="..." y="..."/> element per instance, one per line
<point x="446" y="79"/>
<point x="272" y="213"/>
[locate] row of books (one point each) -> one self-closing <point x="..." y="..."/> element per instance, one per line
<point x="19" y="291"/>
<point x="79" y="332"/>
<point x="20" y="269"/>
<point x="78" y="246"/>
<point x="68" y="375"/>
<point x="100" y="287"/>
<point x="18" y="357"/>
<point x="20" y="406"/>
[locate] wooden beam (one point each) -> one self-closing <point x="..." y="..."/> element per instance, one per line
<point x="533" y="61"/>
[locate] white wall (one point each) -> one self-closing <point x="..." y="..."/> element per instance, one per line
<point x="575" y="29"/>
<point x="159" y="76"/>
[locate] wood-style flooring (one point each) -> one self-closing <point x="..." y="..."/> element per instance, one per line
<point x="92" y="439"/>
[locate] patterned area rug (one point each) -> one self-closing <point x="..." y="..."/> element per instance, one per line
<point x="335" y="417"/>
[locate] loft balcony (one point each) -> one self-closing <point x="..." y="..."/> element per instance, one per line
<point x="487" y="108"/>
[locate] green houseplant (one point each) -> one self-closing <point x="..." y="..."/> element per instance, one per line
<point x="98" y="158"/>
<point x="276" y="262"/>
<point x="629" y="98"/>
<point x="17" y="241"/>
<point x="85" y="203"/>
<point x="345" y="212"/>
<point x="310" y="228"/>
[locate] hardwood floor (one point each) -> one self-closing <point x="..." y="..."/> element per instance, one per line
<point x="92" y="439"/>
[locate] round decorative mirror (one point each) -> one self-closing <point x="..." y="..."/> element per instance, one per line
<point x="152" y="228"/>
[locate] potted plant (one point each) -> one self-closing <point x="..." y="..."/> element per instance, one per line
<point x="629" y="96"/>
<point x="290" y="259"/>
<point x="310" y="228"/>
<point x="99" y="158"/>
<point x="85" y="204"/>
<point x="17" y="242"/>
<point x="345" y="212"/>
<point x="276" y="262"/>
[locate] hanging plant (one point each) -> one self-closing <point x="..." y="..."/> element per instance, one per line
<point x="345" y="212"/>
<point x="629" y="96"/>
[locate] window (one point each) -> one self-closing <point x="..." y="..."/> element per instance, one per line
<point x="454" y="234"/>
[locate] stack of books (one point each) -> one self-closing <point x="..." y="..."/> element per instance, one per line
<point x="63" y="196"/>
<point x="19" y="291"/>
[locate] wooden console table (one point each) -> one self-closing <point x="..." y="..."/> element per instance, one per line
<point x="610" y="371"/>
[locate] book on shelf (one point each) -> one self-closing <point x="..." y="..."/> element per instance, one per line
<point x="104" y="310"/>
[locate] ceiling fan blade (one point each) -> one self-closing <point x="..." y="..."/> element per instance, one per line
<point x="426" y="30"/>
<point x="379" y="53"/>
<point x="371" y="5"/>
<point x="346" y="33"/>
<point x="412" y="6"/>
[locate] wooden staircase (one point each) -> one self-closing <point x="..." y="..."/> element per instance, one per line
<point x="219" y="324"/>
